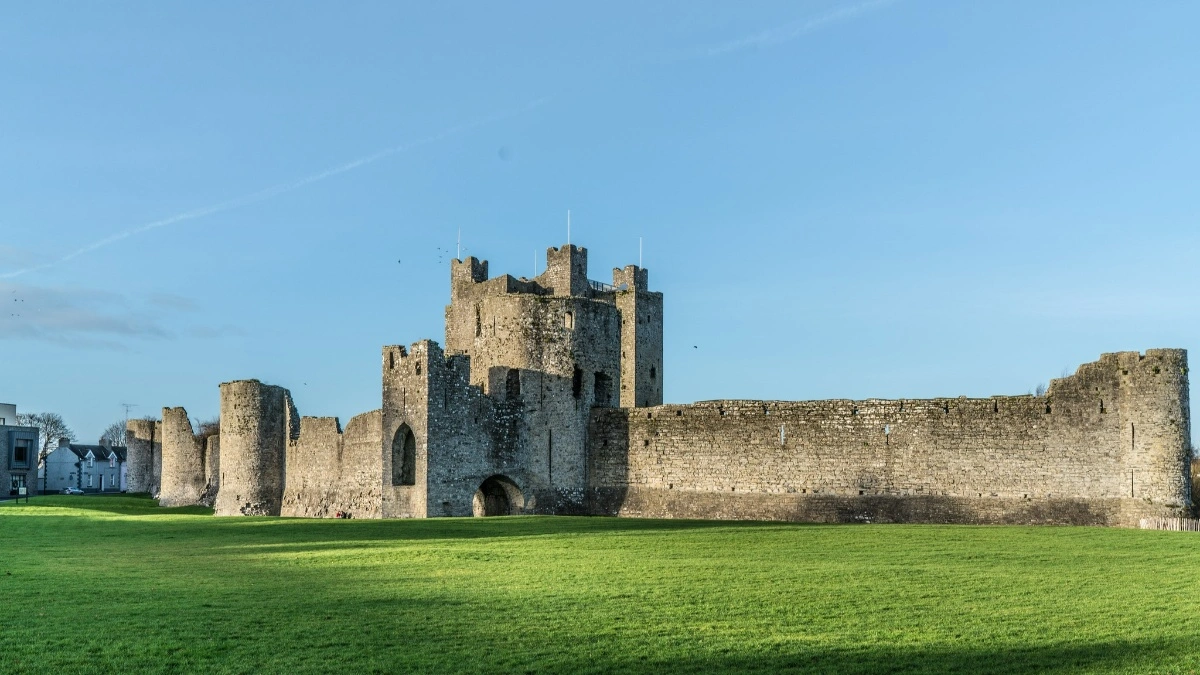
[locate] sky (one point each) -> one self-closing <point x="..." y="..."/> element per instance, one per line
<point x="894" y="199"/>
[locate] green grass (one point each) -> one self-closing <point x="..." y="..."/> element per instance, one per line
<point x="116" y="584"/>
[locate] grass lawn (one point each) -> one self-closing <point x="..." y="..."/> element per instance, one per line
<point x="116" y="584"/>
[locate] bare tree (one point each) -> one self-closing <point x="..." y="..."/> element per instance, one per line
<point x="114" y="434"/>
<point x="206" y="428"/>
<point x="51" y="427"/>
<point x="1041" y="389"/>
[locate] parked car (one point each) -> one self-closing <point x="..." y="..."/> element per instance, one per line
<point x="72" y="491"/>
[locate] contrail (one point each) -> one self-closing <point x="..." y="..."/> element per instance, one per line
<point x="276" y="190"/>
<point x="795" y="29"/>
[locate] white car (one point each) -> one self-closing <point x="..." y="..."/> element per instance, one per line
<point x="72" y="491"/>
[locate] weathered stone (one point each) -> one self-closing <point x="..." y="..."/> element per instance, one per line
<point x="518" y="415"/>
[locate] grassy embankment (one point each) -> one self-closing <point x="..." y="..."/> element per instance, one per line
<point x="115" y="584"/>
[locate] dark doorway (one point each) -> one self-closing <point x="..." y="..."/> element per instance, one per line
<point x="404" y="457"/>
<point x="497" y="496"/>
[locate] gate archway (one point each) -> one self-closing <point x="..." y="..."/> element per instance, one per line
<point x="498" y="496"/>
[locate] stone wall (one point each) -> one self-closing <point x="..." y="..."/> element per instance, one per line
<point x="257" y="421"/>
<point x="183" y="461"/>
<point x="143" y="442"/>
<point x="1108" y="445"/>
<point x="328" y="470"/>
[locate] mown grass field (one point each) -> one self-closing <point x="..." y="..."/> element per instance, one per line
<point x="116" y="584"/>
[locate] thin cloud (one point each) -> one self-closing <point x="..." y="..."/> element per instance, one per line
<point x="274" y="191"/>
<point x="74" y="316"/>
<point x="89" y="317"/>
<point x="795" y="29"/>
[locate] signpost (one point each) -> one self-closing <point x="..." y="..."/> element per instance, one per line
<point x="23" y="492"/>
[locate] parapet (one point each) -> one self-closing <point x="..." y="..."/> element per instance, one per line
<point x="464" y="274"/>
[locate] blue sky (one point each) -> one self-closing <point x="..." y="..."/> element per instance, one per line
<point x="839" y="199"/>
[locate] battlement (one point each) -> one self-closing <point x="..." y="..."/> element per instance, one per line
<point x="565" y="276"/>
<point x="631" y="278"/>
<point x="566" y="271"/>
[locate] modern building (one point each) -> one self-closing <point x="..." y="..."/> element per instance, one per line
<point x="8" y="414"/>
<point x="18" y="453"/>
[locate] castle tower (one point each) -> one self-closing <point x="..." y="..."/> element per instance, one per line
<point x="1155" y="424"/>
<point x="256" y="422"/>
<point x="182" y="460"/>
<point x="641" y="338"/>
<point x="546" y="350"/>
<point x="406" y="403"/>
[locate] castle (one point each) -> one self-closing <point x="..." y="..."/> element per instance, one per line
<point x="547" y="399"/>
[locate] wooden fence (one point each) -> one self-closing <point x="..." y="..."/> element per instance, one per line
<point x="1174" y="524"/>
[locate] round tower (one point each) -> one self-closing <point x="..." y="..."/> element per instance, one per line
<point x="255" y="422"/>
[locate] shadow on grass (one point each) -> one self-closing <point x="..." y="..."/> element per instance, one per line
<point x="322" y="532"/>
<point x="1112" y="656"/>
<point x="136" y="504"/>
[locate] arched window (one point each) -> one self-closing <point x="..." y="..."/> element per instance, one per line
<point x="404" y="457"/>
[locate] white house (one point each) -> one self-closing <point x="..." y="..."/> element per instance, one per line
<point x="91" y="468"/>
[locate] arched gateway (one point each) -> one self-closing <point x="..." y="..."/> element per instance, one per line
<point x="498" y="496"/>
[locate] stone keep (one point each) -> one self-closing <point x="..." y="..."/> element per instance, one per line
<point x="547" y="398"/>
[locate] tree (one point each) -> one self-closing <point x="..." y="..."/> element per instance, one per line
<point x="206" y="428"/>
<point x="51" y="427"/>
<point x="114" y="434"/>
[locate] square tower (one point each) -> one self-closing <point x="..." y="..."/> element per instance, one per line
<point x="641" y="338"/>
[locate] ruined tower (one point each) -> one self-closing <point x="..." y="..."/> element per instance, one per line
<point x="143" y="440"/>
<point x="257" y="420"/>
<point x="183" y="460"/>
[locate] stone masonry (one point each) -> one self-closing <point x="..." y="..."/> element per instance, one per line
<point x="548" y="398"/>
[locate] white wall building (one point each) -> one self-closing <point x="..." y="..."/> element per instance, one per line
<point x="91" y="468"/>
